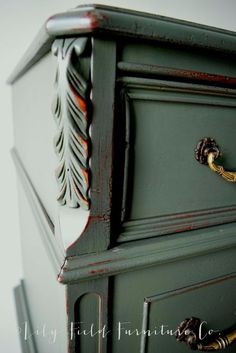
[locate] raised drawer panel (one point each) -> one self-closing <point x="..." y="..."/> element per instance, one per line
<point x="166" y="295"/>
<point x="213" y="298"/>
<point x="166" y="189"/>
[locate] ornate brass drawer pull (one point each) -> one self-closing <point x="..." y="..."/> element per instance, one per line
<point x="189" y="331"/>
<point x="207" y="152"/>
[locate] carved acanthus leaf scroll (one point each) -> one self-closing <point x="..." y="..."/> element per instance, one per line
<point x="71" y="109"/>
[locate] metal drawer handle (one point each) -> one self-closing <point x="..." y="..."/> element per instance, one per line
<point x="207" y="152"/>
<point x="189" y="331"/>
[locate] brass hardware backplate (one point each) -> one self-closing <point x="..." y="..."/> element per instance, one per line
<point x="204" y="147"/>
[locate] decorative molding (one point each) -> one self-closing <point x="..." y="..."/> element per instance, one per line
<point x="153" y="85"/>
<point x="140" y="254"/>
<point x="127" y="156"/>
<point x="71" y="110"/>
<point x="155" y="71"/>
<point x="176" y="223"/>
<point x="88" y="300"/>
<point x="95" y="292"/>
<point x="88" y="19"/>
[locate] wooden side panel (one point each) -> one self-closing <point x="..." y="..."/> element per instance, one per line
<point x="82" y="136"/>
<point x="34" y="128"/>
<point x="46" y="297"/>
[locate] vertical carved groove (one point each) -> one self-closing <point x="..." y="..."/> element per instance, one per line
<point x="87" y="319"/>
<point x="71" y="108"/>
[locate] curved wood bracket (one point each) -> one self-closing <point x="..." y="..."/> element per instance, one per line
<point x="189" y="332"/>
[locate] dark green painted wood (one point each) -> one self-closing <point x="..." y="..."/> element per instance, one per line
<point x="162" y="55"/>
<point x="166" y="125"/>
<point x="165" y="295"/>
<point x="97" y="19"/>
<point x="165" y="189"/>
<point x="87" y="304"/>
<point x="128" y="256"/>
<point x="182" y="302"/>
<point x="97" y="234"/>
<point x="160" y="280"/>
<point x="154" y="252"/>
<point x="179" y="74"/>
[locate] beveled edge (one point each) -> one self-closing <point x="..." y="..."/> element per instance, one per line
<point x="87" y="19"/>
<point x="24" y="317"/>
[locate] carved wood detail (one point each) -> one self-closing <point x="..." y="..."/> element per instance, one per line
<point x="71" y="109"/>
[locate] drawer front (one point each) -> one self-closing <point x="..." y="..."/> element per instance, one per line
<point x="166" y="189"/>
<point x="156" y="300"/>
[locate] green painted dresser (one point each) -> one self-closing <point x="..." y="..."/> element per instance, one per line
<point x="119" y="117"/>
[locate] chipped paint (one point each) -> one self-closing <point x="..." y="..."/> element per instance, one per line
<point x="189" y="75"/>
<point x="98" y="271"/>
<point x="100" y="263"/>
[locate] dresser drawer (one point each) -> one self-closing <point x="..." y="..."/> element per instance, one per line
<point x="147" y="319"/>
<point x="166" y="189"/>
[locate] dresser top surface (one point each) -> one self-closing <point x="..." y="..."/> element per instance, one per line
<point x="97" y="19"/>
